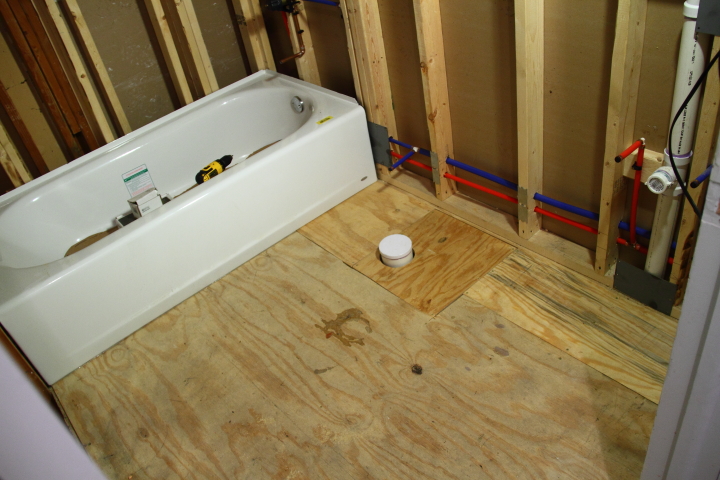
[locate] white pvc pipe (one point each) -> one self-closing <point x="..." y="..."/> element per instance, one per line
<point x="691" y="62"/>
<point x="666" y="211"/>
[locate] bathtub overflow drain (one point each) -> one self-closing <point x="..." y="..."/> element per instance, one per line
<point x="297" y="104"/>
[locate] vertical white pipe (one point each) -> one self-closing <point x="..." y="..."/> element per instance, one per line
<point x="691" y="61"/>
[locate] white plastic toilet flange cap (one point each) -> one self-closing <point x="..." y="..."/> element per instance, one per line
<point x="395" y="247"/>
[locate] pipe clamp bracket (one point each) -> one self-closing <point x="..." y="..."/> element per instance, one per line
<point x="435" y="168"/>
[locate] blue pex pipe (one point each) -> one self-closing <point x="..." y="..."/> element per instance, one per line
<point x="568" y="208"/>
<point x="702" y="177"/>
<point x="482" y="173"/>
<point x="326" y="2"/>
<point x="407" y="145"/>
<point x="640" y="231"/>
<point x="402" y="160"/>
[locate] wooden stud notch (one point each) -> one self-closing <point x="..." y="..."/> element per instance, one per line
<point x="437" y="105"/>
<point x="254" y="34"/>
<point x="530" y="59"/>
<point x="622" y="106"/>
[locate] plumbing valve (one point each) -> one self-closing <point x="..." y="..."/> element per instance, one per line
<point x="287" y="6"/>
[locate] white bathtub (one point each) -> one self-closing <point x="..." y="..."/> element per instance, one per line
<point x="63" y="311"/>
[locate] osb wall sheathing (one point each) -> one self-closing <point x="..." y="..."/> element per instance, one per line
<point x="123" y="38"/>
<point x="479" y="39"/>
<point x="29" y="106"/>
<point x="221" y="40"/>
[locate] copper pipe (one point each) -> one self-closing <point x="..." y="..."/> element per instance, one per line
<point x="300" y="39"/>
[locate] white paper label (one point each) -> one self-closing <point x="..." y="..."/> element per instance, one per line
<point x="138" y="180"/>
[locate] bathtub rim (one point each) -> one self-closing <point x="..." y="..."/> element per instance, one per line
<point x="247" y="82"/>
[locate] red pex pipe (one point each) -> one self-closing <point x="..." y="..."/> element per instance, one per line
<point x="636" y="193"/>
<point x="481" y="188"/>
<point x="566" y="220"/>
<point x="421" y="165"/>
<point x="628" y="151"/>
<point x="639" y="248"/>
<point x="410" y="160"/>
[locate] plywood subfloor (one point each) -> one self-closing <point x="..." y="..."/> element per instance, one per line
<point x="353" y="229"/>
<point x="612" y="333"/>
<point x="242" y="381"/>
<point x="296" y="365"/>
<point x="450" y="256"/>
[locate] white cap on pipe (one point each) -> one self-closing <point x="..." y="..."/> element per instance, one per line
<point x="396" y="250"/>
<point x="690" y="8"/>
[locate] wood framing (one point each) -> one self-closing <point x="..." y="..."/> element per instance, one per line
<point x="362" y="22"/>
<point x="107" y="90"/>
<point x="622" y="106"/>
<point x="11" y="161"/>
<point x="75" y="69"/>
<point x="252" y="28"/>
<point x="307" y="64"/>
<point x="47" y="76"/>
<point x="529" y="60"/>
<point x="198" y="50"/>
<point x="351" y="54"/>
<point x="38" y="166"/>
<point x="702" y="156"/>
<point x="437" y="106"/>
<point x="170" y="53"/>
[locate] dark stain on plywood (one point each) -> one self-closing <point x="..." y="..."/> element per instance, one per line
<point x="334" y="328"/>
